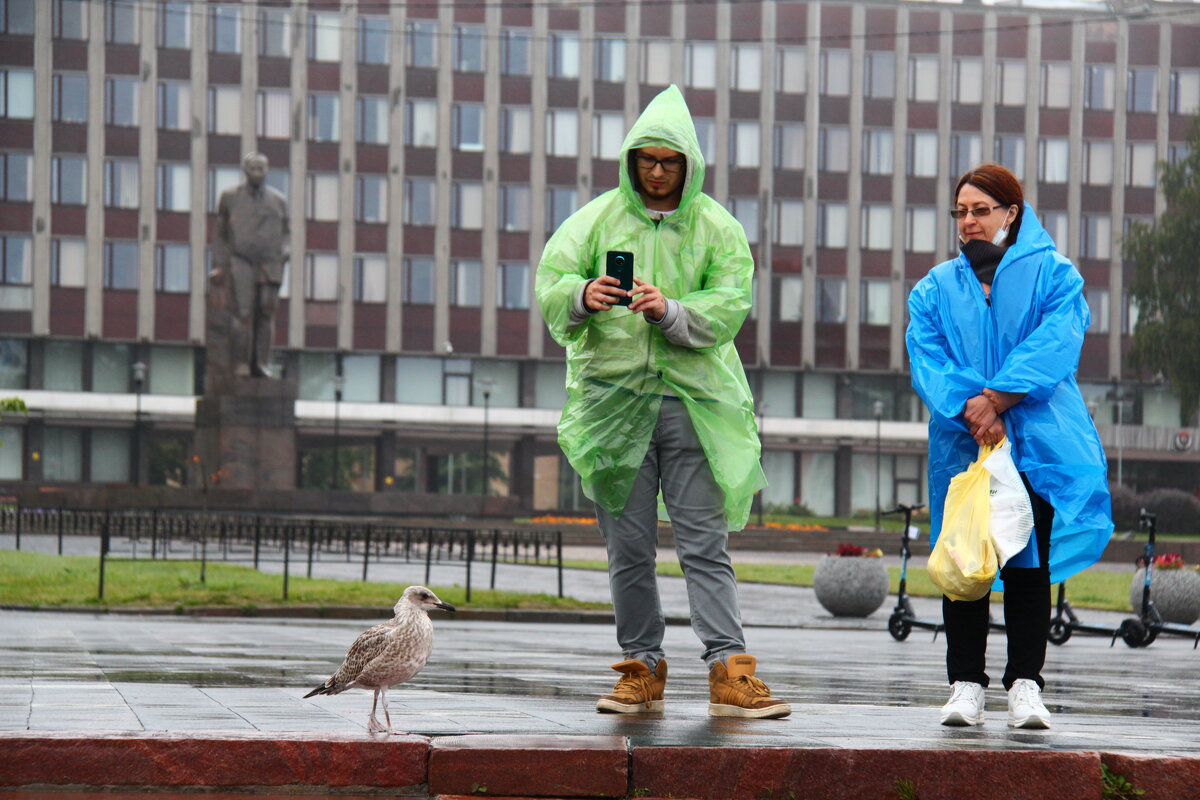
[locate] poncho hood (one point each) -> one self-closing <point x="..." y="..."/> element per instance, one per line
<point x="665" y="122"/>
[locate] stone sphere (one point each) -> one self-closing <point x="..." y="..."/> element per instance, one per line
<point x="1175" y="592"/>
<point x="850" y="586"/>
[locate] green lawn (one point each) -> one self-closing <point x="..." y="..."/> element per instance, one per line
<point x="32" y="579"/>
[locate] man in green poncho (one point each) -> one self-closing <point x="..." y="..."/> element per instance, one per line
<point x="657" y="399"/>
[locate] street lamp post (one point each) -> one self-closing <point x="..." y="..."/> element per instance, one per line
<point x="1118" y="396"/>
<point x="485" y="384"/>
<point x="339" y="381"/>
<point x="762" y="421"/>
<point x="877" y="410"/>
<point x="139" y="384"/>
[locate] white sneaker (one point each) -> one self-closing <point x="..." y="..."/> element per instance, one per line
<point x="965" y="706"/>
<point x="1025" y="709"/>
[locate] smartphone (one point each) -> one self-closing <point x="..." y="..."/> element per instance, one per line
<point x="620" y="266"/>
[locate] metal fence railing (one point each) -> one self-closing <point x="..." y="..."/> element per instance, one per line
<point x="255" y="539"/>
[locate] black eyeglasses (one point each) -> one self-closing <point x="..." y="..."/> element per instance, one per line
<point x="669" y="165"/>
<point x="978" y="213"/>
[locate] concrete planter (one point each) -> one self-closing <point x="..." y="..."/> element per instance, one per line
<point x="850" y="586"/>
<point x="1176" y="594"/>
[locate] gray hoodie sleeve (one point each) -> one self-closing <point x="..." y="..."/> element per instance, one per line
<point x="579" y="311"/>
<point x="678" y="328"/>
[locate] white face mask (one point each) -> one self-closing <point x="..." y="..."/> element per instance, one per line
<point x="1000" y="236"/>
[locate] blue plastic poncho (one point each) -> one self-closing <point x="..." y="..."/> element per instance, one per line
<point x="1027" y="340"/>
<point x="619" y="366"/>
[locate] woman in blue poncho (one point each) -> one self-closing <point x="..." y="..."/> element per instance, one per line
<point x="994" y="343"/>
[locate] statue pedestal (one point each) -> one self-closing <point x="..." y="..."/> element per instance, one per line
<point x="246" y="435"/>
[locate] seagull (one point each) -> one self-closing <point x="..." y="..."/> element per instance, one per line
<point x="389" y="653"/>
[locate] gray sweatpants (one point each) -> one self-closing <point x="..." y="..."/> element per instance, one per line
<point x="695" y="503"/>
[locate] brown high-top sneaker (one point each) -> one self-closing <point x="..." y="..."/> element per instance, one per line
<point x="733" y="691"/>
<point x="638" y="690"/>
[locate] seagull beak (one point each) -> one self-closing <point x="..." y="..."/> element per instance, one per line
<point x="445" y="606"/>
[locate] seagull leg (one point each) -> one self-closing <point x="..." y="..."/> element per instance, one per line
<point x="386" y="715"/>
<point x="373" y="725"/>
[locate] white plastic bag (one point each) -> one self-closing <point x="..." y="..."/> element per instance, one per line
<point x="1011" y="518"/>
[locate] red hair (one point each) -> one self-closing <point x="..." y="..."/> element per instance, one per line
<point x="1000" y="184"/>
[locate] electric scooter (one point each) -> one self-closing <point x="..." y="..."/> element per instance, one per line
<point x="1142" y="630"/>
<point x="1064" y="622"/>
<point x="903" y="618"/>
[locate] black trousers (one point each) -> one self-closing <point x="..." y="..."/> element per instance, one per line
<point x="1026" y="615"/>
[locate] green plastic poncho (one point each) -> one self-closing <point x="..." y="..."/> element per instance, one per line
<point x="620" y="366"/>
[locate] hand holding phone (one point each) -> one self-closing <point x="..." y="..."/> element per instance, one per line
<point x="619" y="265"/>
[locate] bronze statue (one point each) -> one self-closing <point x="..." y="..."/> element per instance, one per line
<point x="250" y="248"/>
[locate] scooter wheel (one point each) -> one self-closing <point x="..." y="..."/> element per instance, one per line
<point x="1133" y="632"/>
<point x="898" y="626"/>
<point x="1060" y="631"/>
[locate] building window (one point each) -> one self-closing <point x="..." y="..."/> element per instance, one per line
<point x="274" y="113"/>
<point x="174" y="187"/>
<point x="831" y="299"/>
<point x="325" y="37"/>
<point x="745" y="211"/>
<point x="791" y="70"/>
<point x="174" y="106"/>
<point x="370" y="278"/>
<point x="68" y="98"/>
<point x="70" y="19"/>
<point x="879" y="75"/>
<point x="322" y="200"/>
<point x="512" y="285"/>
<point x="121" y="101"/>
<point x="516" y="130"/>
<point x="1010" y="82"/>
<point x="1141" y="90"/>
<point x="877" y="151"/>
<point x="562" y="132"/>
<point x="966" y="151"/>
<point x="469" y="53"/>
<point x="608" y="134"/>
<point x="923" y="151"/>
<point x="744" y="144"/>
<point x="17" y="17"/>
<point x="560" y="204"/>
<point x="1010" y="151"/>
<point x="875" y="302"/>
<point x="967" y="83"/>
<point x="225" y="35"/>
<point x="121" y="21"/>
<point x="16" y="169"/>
<point x="220" y="179"/>
<point x="1097" y="301"/>
<point x="15" y="259"/>
<point x="275" y="32"/>
<point x="1098" y="87"/>
<point x="422" y="44"/>
<point x="514" y="52"/>
<point x="835" y="73"/>
<point x="923" y="83"/>
<point x="68" y="262"/>
<point x="468" y="126"/>
<point x="700" y="65"/>
<point x="121" y="183"/>
<point x="1055" y="223"/>
<point x="370" y="198"/>
<point x="610" y="59"/>
<point x="418" y="281"/>
<point x="419" y="197"/>
<point x="564" y="56"/>
<point x="789" y="145"/>
<point x="225" y="110"/>
<point x="120" y="265"/>
<point x="516" y="207"/>
<point x="371" y="120"/>
<point x="876" y="227"/>
<point x="1053" y="160"/>
<point x="323" y="117"/>
<point x="920" y="229"/>
<point x="321" y="276"/>
<point x="655" y="64"/>
<point x="16" y="93"/>
<point x="1097" y="162"/>
<point x="745" y="63"/>
<point x="373" y="35"/>
<point x="790" y="296"/>
<point x="466" y="283"/>
<point x="789" y="222"/>
<point x="832" y="220"/>
<point x="420" y="123"/>
<point x="466" y="207"/>
<point x="1056" y="85"/>
<point x="1185" y="91"/>
<point x="1095" y="236"/>
<point x="1141" y="164"/>
<point x="833" y="148"/>
<point x="68" y="180"/>
<point x="175" y="25"/>
<point x="706" y="135"/>
<point x="172" y="267"/>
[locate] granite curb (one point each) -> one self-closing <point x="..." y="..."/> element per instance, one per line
<point x="542" y="766"/>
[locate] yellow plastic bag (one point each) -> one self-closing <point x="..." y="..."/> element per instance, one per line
<point x="963" y="562"/>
